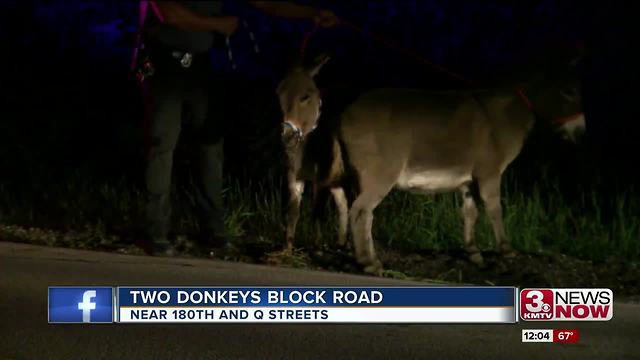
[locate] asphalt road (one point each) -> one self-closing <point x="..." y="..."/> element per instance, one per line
<point x="26" y="271"/>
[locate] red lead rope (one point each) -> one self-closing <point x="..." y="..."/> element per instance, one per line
<point x="411" y="53"/>
<point x="390" y="44"/>
<point x="557" y="121"/>
<point x="406" y="51"/>
<point x="307" y="39"/>
<point x="525" y="98"/>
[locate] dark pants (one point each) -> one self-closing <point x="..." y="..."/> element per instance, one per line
<point x="172" y="90"/>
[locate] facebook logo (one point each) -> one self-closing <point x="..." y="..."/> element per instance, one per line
<point x="80" y="305"/>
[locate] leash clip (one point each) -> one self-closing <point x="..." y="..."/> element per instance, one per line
<point x="186" y="58"/>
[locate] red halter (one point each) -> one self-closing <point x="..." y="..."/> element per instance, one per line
<point x="558" y="121"/>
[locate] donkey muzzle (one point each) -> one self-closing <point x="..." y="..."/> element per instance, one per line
<point x="291" y="131"/>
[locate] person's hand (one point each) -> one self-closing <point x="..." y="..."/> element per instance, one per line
<point x="326" y="18"/>
<point x="228" y="25"/>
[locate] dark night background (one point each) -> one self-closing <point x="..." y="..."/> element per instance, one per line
<point x="70" y="107"/>
<point x="72" y="166"/>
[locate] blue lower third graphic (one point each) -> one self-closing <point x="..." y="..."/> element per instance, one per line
<point x="80" y="305"/>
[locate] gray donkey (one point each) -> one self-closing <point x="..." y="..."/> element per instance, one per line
<point x="428" y="142"/>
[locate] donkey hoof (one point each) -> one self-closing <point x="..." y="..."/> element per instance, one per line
<point x="320" y="250"/>
<point x="345" y="247"/>
<point x="476" y="258"/>
<point x="507" y="251"/>
<point x="375" y="268"/>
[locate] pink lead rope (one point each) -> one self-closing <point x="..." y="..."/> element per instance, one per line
<point x="144" y="7"/>
<point x="144" y="87"/>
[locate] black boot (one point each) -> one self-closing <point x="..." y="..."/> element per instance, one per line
<point x="157" y="248"/>
<point x="218" y="245"/>
<point x="164" y="248"/>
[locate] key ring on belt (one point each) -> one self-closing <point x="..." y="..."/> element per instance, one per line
<point x="186" y="58"/>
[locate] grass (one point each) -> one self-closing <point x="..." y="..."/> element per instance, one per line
<point x="536" y="222"/>
<point x="591" y="226"/>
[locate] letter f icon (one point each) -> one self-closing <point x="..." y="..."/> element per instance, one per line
<point x="86" y="305"/>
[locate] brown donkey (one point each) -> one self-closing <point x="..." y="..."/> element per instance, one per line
<point x="428" y="142"/>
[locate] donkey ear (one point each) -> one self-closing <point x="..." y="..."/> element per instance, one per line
<point x="318" y="63"/>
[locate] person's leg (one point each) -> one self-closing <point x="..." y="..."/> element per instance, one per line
<point x="210" y="170"/>
<point x="166" y="112"/>
<point x="209" y="194"/>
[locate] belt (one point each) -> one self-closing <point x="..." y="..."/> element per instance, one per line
<point x="185" y="57"/>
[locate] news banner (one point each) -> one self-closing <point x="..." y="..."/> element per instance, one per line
<point x="344" y="305"/>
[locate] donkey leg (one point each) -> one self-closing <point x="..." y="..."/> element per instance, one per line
<point x="296" y="188"/>
<point x="319" y="211"/>
<point x="490" y="193"/>
<point x="343" y="214"/>
<point x="318" y="237"/>
<point x="361" y="216"/>
<point x="318" y="215"/>
<point x="470" y="215"/>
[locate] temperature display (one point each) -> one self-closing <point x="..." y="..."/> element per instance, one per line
<point x="566" y="335"/>
<point x="551" y="335"/>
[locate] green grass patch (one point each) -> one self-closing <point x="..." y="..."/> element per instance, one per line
<point x="541" y="219"/>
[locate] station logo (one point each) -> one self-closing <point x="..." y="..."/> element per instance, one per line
<point x="566" y="304"/>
